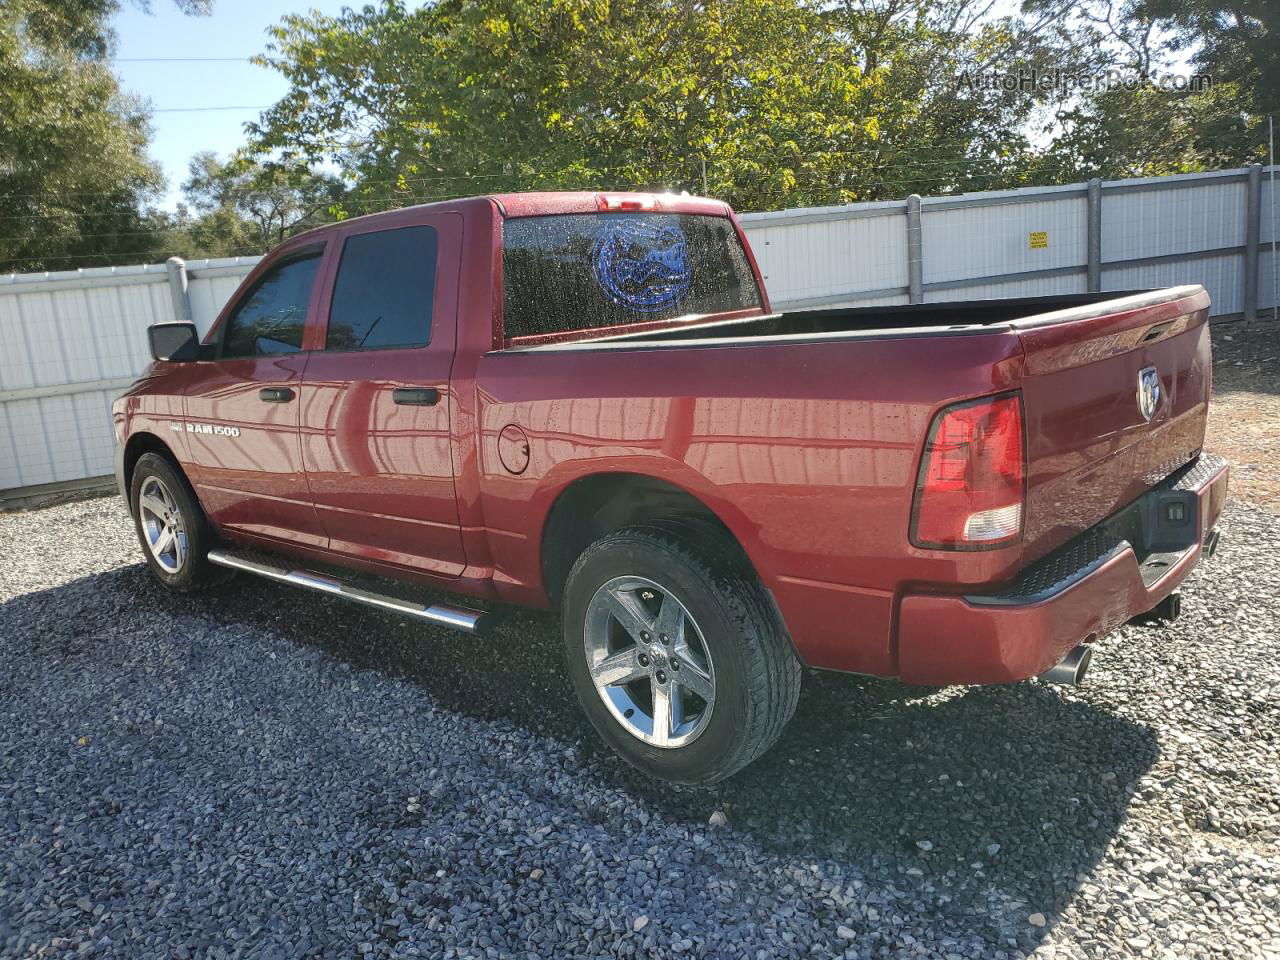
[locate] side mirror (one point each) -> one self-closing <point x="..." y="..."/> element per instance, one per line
<point x="174" y="342"/>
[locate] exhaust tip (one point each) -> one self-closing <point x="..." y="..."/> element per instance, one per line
<point x="1072" y="668"/>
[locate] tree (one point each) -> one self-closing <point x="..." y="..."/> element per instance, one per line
<point x="942" y="128"/>
<point x="244" y="206"/>
<point x="74" y="175"/>
<point x="470" y="97"/>
<point x="781" y="102"/>
<point x="1236" y="43"/>
<point x="1200" y="78"/>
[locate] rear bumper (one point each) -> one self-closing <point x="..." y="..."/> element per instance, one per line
<point x="1113" y="572"/>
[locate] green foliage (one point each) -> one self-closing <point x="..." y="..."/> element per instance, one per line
<point x="72" y="168"/>
<point x="1153" y="128"/>
<point x="766" y="103"/>
<point x="782" y="102"/>
<point x="940" y="130"/>
<point x="1152" y="131"/>
<point x="1238" y="43"/>
<point x="74" y="176"/>
<point x="245" y="207"/>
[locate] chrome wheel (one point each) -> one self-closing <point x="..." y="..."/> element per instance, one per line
<point x="649" y="662"/>
<point x="162" y="525"/>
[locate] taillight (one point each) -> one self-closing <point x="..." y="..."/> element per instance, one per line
<point x="970" y="490"/>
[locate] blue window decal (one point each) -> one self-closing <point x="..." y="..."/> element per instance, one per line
<point x="641" y="264"/>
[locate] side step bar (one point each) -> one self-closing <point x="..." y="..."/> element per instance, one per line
<point x="440" y="614"/>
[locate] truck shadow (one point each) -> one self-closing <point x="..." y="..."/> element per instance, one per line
<point x="999" y="799"/>
<point x="1017" y="791"/>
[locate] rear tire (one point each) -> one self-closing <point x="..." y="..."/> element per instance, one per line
<point x="172" y="529"/>
<point x="677" y="656"/>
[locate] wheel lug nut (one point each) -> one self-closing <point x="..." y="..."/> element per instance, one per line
<point x="644" y="660"/>
<point x="675" y="665"/>
<point x="662" y="676"/>
<point x="645" y="636"/>
<point x="664" y="638"/>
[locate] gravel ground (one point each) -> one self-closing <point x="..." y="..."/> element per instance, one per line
<point x="259" y="772"/>
<point x="1244" y="419"/>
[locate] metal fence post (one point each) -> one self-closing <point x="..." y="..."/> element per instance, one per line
<point x="176" y="267"/>
<point x="915" y="251"/>
<point x="1252" y="235"/>
<point x="1094" y="236"/>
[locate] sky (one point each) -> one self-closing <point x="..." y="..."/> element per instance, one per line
<point x="237" y="29"/>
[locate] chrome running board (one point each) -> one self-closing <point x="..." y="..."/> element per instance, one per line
<point x="440" y="614"/>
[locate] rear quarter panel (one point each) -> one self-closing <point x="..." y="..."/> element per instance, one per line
<point x="806" y="450"/>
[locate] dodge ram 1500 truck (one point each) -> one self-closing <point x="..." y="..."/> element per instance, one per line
<point x="585" y="401"/>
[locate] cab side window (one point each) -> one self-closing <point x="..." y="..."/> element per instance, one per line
<point x="382" y="297"/>
<point x="271" y="318"/>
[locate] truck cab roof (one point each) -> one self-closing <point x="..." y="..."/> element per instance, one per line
<point x="544" y="203"/>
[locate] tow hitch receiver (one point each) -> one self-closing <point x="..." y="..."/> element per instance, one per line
<point x="1166" y="611"/>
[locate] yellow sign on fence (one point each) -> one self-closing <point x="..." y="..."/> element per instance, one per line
<point x="1038" y="239"/>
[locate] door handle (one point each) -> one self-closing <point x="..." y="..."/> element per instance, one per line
<point x="276" y="394"/>
<point x="416" y="396"/>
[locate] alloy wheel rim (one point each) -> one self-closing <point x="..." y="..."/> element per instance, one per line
<point x="162" y="525"/>
<point x="649" y="662"/>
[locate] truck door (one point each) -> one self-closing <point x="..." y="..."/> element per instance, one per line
<point x="375" y="414"/>
<point x="242" y="407"/>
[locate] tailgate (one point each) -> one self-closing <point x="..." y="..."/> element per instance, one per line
<point x="1094" y="439"/>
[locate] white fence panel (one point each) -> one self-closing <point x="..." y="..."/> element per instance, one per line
<point x="1270" y="225"/>
<point x="1034" y="287"/>
<point x="892" y="300"/>
<point x="965" y="241"/>
<point x="1269" y="265"/>
<point x="1161" y="221"/>
<point x="67" y="328"/>
<point x="828" y="255"/>
<point x="210" y="284"/>
<point x="1222" y="277"/>
<point x="69" y="342"/>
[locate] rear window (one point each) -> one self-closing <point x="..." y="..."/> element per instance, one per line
<point x="564" y="273"/>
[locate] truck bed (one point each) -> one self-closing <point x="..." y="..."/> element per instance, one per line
<point x="837" y="320"/>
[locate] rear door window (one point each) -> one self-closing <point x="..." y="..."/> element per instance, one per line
<point x="270" y="319"/>
<point x="383" y="294"/>
<point x="578" y="272"/>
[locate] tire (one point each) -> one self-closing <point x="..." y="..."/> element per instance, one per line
<point x="732" y="638"/>
<point x="161" y="499"/>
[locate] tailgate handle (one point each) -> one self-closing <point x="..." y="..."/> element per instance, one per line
<point x="416" y="396"/>
<point x="275" y="394"/>
<point x="1157" y="331"/>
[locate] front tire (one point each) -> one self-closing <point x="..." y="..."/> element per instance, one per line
<point x="675" y="652"/>
<point x="172" y="529"/>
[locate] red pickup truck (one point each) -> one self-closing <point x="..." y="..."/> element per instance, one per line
<point x="585" y="401"/>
